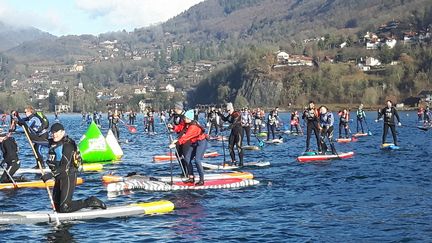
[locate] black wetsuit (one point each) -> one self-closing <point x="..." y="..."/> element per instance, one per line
<point x="389" y="122"/>
<point x="114" y="126"/>
<point x="343" y="124"/>
<point x="177" y="120"/>
<point x="236" y="135"/>
<point x="271" y="124"/>
<point x="310" y="115"/>
<point x="10" y="161"/>
<point x="61" y="163"/>
<point x="212" y="119"/>
<point x="150" y="123"/>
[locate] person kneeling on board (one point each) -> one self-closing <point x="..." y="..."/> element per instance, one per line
<point x="63" y="163"/>
<point x="9" y="149"/>
<point x="195" y="134"/>
<point x="326" y="128"/>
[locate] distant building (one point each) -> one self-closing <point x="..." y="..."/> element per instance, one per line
<point x="282" y="57"/>
<point x="370" y="61"/>
<point x="170" y="88"/>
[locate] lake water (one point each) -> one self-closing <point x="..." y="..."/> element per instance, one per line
<point x="375" y="196"/>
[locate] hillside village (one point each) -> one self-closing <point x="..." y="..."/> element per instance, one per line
<point x="159" y="69"/>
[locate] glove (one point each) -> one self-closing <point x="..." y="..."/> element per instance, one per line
<point x="46" y="177"/>
<point x="399" y="124"/>
<point x="173" y="144"/>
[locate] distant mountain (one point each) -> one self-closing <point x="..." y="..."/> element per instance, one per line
<point x="277" y="20"/>
<point x="11" y="37"/>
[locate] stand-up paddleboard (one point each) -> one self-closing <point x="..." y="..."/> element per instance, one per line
<point x="274" y="141"/>
<point x="216" y="176"/>
<point x="93" y="146"/>
<point x="359" y="134"/>
<point x="33" y="184"/>
<point x="234" y="167"/>
<point x="165" y="186"/>
<point x="114" y="144"/>
<point x="389" y="146"/>
<point x="312" y="156"/>
<point x="162" y="158"/>
<point x="347" y="140"/>
<point x="158" y="207"/>
<point x="84" y="167"/>
<point x="293" y="133"/>
<point x="262" y="134"/>
<point x="250" y="147"/>
<point x="218" y="138"/>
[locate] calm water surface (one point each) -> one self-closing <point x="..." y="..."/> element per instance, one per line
<point x="376" y="196"/>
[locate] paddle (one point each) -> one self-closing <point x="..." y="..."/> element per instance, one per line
<point x="260" y="142"/>
<point x="421" y="128"/>
<point x="10" y="177"/>
<point x="367" y="127"/>
<point x="131" y="128"/>
<point x="42" y="172"/>
<point x="176" y="151"/>
<point x="223" y="149"/>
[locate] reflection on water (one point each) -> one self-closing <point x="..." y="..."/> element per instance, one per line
<point x="60" y="234"/>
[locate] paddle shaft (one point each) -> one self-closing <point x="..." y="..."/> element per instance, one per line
<point x="42" y="172"/>
<point x="176" y="151"/>
<point x="9" y="175"/>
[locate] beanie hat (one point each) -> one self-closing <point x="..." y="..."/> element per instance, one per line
<point x="178" y="105"/>
<point x="189" y="114"/>
<point x="56" y="127"/>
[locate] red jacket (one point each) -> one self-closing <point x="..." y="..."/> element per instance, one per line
<point x="193" y="134"/>
<point x="178" y="128"/>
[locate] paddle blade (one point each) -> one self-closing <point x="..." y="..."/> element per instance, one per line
<point x="132" y="129"/>
<point x="369" y="133"/>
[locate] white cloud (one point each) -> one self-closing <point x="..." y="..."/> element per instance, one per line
<point x="134" y="13"/>
<point x="48" y="21"/>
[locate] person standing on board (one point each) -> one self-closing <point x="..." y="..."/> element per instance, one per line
<point x="390" y="113"/>
<point x="311" y="117"/>
<point x="246" y="120"/>
<point x="179" y="127"/>
<point x="326" y="129"/>
<point x="343" y="122"/>
<point x="196" y="136"/>
<point x="62" y="161"/>
<point x="236" y="135"/>
<point x="361" y="116"/>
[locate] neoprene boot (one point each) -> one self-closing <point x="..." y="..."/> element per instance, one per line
<point x="95" y="202"/>
<point x="200" y="182"/>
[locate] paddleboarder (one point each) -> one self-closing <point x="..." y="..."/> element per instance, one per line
<point x="236" y="136"/>
<point x="179" y="127"/>
<point x="390" y="113"/>
<point x="326" y="129"/>
<point x="10" y="162"/>
<point x="196" y="136"/>
<point x="295" y="123"/>
<point x="258" y="116"/>
<point x="246" y="121"/>
<point x="361" y="116"/>
<point x="272" y="120"/>
<point x="37" y="128"/>
<point x="311" y="116"/>
<point x="62" y="163"/>
<point x="343" y="122"/>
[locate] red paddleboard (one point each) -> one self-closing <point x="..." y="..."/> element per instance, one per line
<point x="319" y="157"/>
<point x="347" y="140"/>
<point x="211" y="183"/>
<point x="159" y="158"/>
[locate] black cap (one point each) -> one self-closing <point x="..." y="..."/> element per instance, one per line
<point x="56" y="127"/>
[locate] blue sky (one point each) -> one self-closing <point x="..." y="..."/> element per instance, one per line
<point x="63" y="17"/>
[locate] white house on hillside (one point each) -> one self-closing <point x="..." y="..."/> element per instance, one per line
<point x="170" y="88"/>
<point x="370" y="61"/>
<point x="282" y="56"/>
